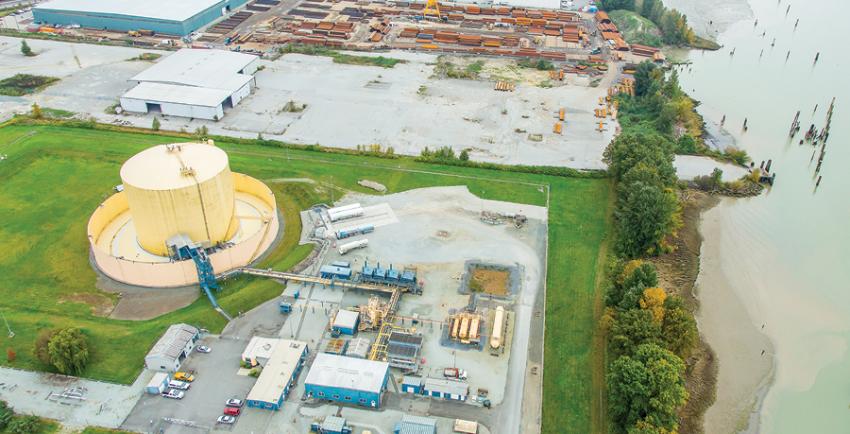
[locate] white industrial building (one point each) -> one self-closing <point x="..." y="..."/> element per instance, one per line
<point x="172" y="348"/>
<point x="259" y="350"/>
<point x="279" y="375"/>
<point x="193" y="83"/>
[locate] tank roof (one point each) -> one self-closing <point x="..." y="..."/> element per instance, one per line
<point x="160" y="167"/>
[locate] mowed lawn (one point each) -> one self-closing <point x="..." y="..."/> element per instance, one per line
<point x="54" y="177"/>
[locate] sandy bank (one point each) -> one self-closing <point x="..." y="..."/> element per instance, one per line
<point x="744" y="353"/>
<point x="711" y="18"/>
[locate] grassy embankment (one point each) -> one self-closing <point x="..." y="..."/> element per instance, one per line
<point x="339" y="57"/>
<point x="636" y="29"/>
<point x="55" y="176"/>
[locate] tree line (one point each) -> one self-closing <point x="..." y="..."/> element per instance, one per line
<point x="650" y="332"/>
<point x="672" y="23"/>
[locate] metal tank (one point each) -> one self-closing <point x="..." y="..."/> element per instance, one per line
<point x="184" y="188"/>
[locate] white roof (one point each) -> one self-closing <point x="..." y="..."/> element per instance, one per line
<point x="346" y="319"/>
<point x="260" y="348"/>
<point x="547" y="4"/>
<point x="169" y="93"/>
<point x="171" y="343"/>
<point x="158" y="379"/>
<point x="348" y="373"/>
<point x="158" y="9"/>
<point x="446" y="385"/>
<point x="215" y="69"/>
<point x="278" y="371"/>
<point x="158" y="168"/>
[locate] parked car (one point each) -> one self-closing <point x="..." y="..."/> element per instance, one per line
<point x="232" y="411"/>
<point x="203" y="349"/>
<point x="226" y="419"/>
<point x="173" y="394"/>
<point x="184" y="376"/>
<point x="233" y="402"/>
<point x="177" y="384"/>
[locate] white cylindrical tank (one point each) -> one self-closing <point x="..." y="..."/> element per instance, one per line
<point x="184" y="188"/>
<point x="347" y="247"/>
<point x="343" y="208"/>
<point x="496" y="337"/>
<point x="346" y="214"/>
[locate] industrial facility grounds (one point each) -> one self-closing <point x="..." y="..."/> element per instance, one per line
<point x="405" y="107"/>
<point x="54" y="176"/>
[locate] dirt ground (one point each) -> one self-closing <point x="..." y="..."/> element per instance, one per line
<point x="678" y="270"/>
<point x="493" y="282"/>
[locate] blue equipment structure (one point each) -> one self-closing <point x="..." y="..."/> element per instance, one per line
<point x="388" y="276"/>
<point x="347" y="233"/>
<point x="182" y="248"/>
<point x="334" y="272"/>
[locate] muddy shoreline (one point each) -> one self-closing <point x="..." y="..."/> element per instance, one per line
<point x="677" y="272"/>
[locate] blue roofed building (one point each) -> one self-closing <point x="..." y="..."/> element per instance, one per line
<point x="347" y="380"/>
<point x="162" y="16"/>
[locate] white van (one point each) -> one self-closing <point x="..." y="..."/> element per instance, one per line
<point x="179" y="385"/>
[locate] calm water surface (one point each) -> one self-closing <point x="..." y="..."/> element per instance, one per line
<point x="790" y="258"/>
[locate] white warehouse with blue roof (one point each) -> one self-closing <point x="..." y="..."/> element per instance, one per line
<point x="178" y="18"/>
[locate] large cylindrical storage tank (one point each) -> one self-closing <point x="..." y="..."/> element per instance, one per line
<point x="184" y="188"/>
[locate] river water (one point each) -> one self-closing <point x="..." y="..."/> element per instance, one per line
<point x="786" y="253"/>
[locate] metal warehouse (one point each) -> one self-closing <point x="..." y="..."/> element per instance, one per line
<point x="278" y="375"/>
<point x="347" y="380"/>
<point x="193" y="83"/>
<point x="411" y="424"/>
<point x="161" y="16"/>
<point x="172" y="348"/>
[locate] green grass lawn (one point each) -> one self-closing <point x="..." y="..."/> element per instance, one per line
<point x="55" y="176"/>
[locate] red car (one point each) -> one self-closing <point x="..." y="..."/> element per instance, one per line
<point x="232" y="411"/>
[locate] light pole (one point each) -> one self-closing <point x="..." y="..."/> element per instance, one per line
<point x="11" y="333"/>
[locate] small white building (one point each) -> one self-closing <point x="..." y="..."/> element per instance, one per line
<point x="172" y="348"/>
<point x="259" y="350"/>
<point x="193" y="83"/>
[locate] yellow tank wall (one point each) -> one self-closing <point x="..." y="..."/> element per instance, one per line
<point x="172" y="274"/>
<point x="161" y="214"/>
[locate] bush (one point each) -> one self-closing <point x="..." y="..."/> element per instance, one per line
<point x="25" y="49"/>
<point x="6" y="414"/>
<point x="11" y="355"/>
<point x="40" y="351"/>
<point x="25" y="425"/>
<point x="155" y="124"/>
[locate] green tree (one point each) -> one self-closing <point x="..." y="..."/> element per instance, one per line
<point x="645" y="217"/>
<point x="632" y="328"/>
<point x="36" y="112"/>
<point x="155" y="124"/>
<point x="464" y="155"/>
<point x="6" y="414"/>
<point x="69" y="351"/>
<point x="648" y="386"/>
<point x="39" y="350"/>
<point x="25" y="425"/>
<point x="25" y="49"/>
<point x="679" y="329"/>
<point x="629" y="149"/>
<point x="647" y="78"/>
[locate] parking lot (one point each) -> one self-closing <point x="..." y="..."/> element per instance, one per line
<point x="216" y="381"/>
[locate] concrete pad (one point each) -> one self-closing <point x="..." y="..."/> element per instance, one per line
<point x="689" y="167"/>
